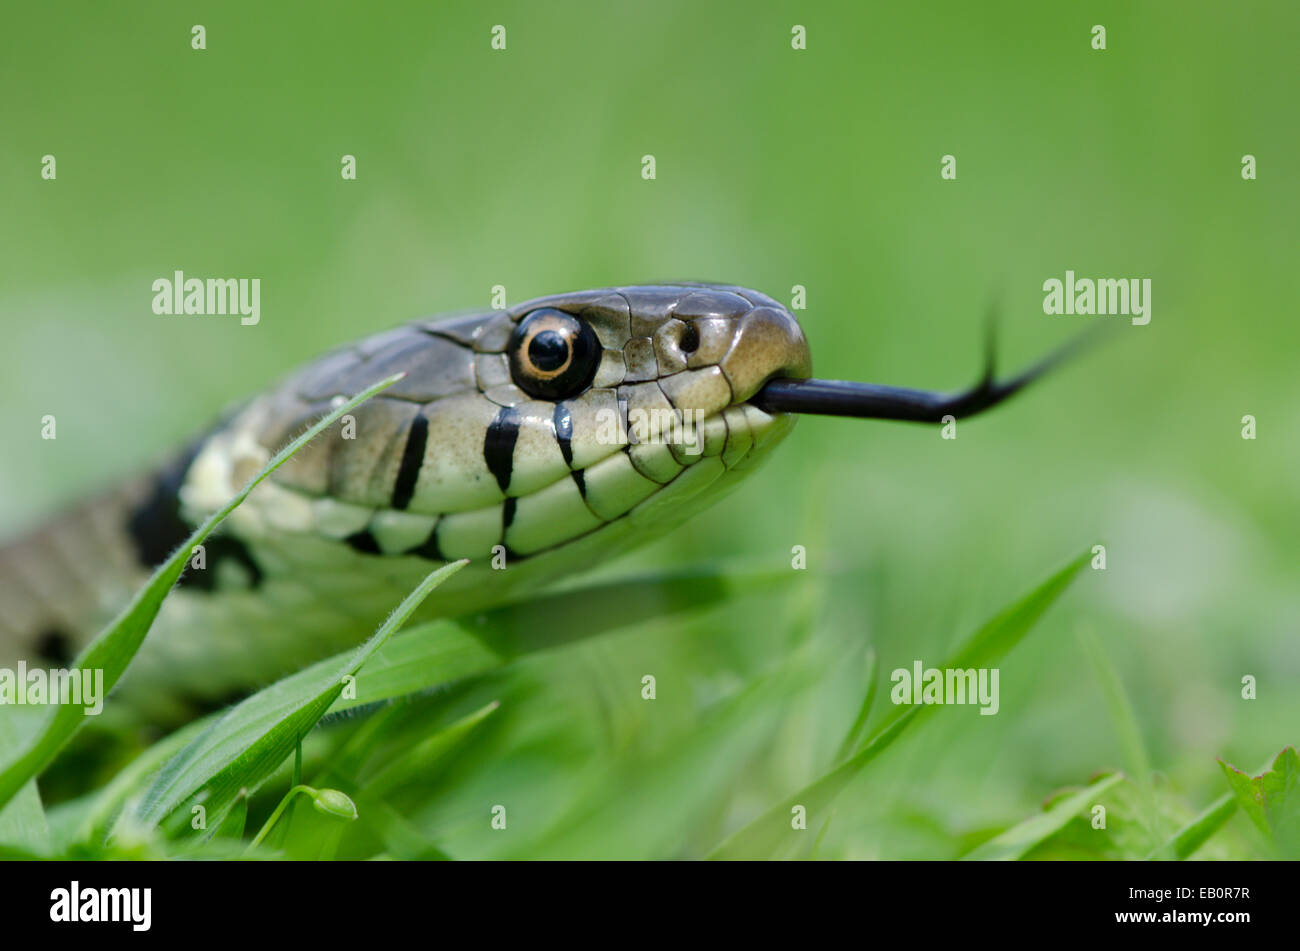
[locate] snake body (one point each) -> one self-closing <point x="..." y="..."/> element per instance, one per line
<point x="495" y="447"/>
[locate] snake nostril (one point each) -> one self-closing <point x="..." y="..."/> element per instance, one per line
<point x="690" y="339"/>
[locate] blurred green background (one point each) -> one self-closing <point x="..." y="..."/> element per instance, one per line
<point x="775" y="167"/>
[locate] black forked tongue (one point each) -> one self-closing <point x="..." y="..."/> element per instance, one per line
<point x="878" y="401"/>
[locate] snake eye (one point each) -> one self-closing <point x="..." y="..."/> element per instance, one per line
<point x="553" y="355"/>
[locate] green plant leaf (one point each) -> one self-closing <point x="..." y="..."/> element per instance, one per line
<point x="246" y="745"/>
<point x="117" y="644"/>
<point x="1018" y="840"/>
<point x="770" y="833"/>
<point x="1272" y="800"/>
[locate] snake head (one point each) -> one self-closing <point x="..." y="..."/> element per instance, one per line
<point x="603" y="417"/>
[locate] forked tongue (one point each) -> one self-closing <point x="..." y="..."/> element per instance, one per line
<point x="879" y="401"/>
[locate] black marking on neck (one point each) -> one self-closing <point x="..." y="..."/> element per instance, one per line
<point x="155" y="526"/>
<point x="364" y="542"/>
<point x="54" y="645"/>
<point x="156" y="529"/>
<point x="580" y="480"/>
<point x="499" y="445"/>
<point x="216" y="549"/>
<point x="412" y="458"/>
<point x="563" y="421"/>
<point x="507" y="515"/>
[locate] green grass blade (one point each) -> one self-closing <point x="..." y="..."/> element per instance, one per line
<point x="1018" y="840"/>
<point x="1122" y="716"/>
<point x="232" y="826"/>
<point x="769" y="833"/>
<point x="1124" y="719"/>
<point x="995" y="639"/>
<point x="821" y="837"/>
<point x="850" y="743"/>
<point x="425" y="755"/>
<point x="244" y="747"/>
<point x="117" y="644"/>
<point x="1184" y="843"/>
<point x="22" y="820"/>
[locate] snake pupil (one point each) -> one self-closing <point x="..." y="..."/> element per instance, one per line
<point x="548" y="351"/>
